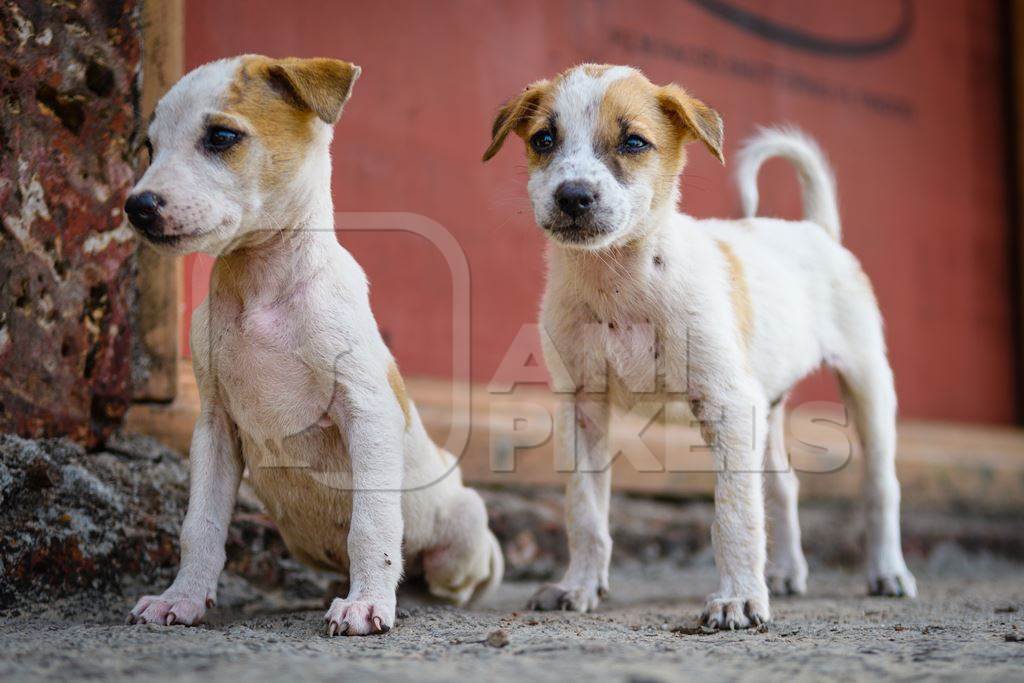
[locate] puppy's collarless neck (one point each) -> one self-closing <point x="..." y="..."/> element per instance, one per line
<point x="272" y="262"/>
<point x="640" y="243"/>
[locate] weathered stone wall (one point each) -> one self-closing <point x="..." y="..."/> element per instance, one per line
<point x="68" y="112"/>
<point x="72" y="521"/>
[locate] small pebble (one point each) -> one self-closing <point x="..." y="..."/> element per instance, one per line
<point x="497" y="638"/>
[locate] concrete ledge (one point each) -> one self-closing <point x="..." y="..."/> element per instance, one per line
<point x="507" y="442"/>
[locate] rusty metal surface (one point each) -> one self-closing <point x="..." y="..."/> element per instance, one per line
<point x="68" y="109"/>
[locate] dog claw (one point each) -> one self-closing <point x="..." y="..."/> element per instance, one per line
<point x="169" y="609"/>
<point x="894" y="585"/>
<point x="360" y="617"/>
<point x="554" y="597"/>
<point x="336" y="629"/>
<point x="734" y="614"/>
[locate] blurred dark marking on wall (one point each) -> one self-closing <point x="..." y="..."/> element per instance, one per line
<point x="642" y="45"/>
<point x="806" y="40"/>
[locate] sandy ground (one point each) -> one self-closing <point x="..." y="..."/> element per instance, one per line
<point x="94" y="526"/>
<point x="646" y="632"/>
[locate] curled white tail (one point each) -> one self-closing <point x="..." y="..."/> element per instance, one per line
<point x="817" y="183"/>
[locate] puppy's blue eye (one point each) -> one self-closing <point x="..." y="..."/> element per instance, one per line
<point x="634" y="143"/>
<point x="219" y="139"/>
<point x="542" y="141"/>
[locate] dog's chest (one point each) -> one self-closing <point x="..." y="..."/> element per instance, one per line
<point x="625" y="344"/>
<point x="269" y="385"/>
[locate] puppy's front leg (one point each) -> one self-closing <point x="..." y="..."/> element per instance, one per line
<point x="735" y="429"/>
<point x="373" y="425"/>
<point x="581" y="429"/>
<point x="215" y="470"/>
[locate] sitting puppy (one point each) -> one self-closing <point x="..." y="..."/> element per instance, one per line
<point x="644" y="303"/>
<point x="296" y="383"/>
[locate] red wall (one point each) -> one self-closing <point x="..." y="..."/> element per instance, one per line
<point x="915" y="131"/>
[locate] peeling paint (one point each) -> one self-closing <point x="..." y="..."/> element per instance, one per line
<point x="22" y="27"/>
<point x="101" y="192"/>
<point x="33" y="206"/>
<point x="97" y="243"/>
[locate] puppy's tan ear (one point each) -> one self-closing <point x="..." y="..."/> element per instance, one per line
<point x="514" y="115"/>
<point x="698" y="120"/>
<point x="319" y="85"/>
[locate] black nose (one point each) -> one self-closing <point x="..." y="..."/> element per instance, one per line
<point x="575" y="198"/>
<point x="143" y="211"/>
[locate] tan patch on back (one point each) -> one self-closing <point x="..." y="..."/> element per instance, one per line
<point x="284" y="130"/>
<point x="739" y="293"/>
<point x="595" y="70"/>
<point x="398" y="388"/>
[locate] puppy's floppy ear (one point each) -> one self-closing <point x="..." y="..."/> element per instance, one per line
<point x="699" y="121"/>
<point x="515" y="114"/>
<point x="319" y="85"/>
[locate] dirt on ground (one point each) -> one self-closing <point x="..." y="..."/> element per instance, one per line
<point x="965" y="625"/>
<point x="84" y="534"/>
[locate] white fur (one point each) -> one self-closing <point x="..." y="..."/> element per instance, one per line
<point x="817" y="183"/>
<point x="655" y="293"/>
<point x="293" y="376"/>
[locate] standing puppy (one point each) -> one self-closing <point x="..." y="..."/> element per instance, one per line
<point x="296" y="383"/>
<point x="644" y="303"/>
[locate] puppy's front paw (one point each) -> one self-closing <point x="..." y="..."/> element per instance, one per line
<point x="735" y="612"/>
<point x="895" y="583"/>
<point x="173" y="607"/>
<point x="359" y="617"/>
<point x="563" y="597"/>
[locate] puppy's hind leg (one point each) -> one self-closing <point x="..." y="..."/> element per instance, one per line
<point x="466" y="562"/>
<point x="786" y="573"/>
<point x="870" y="396"/>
